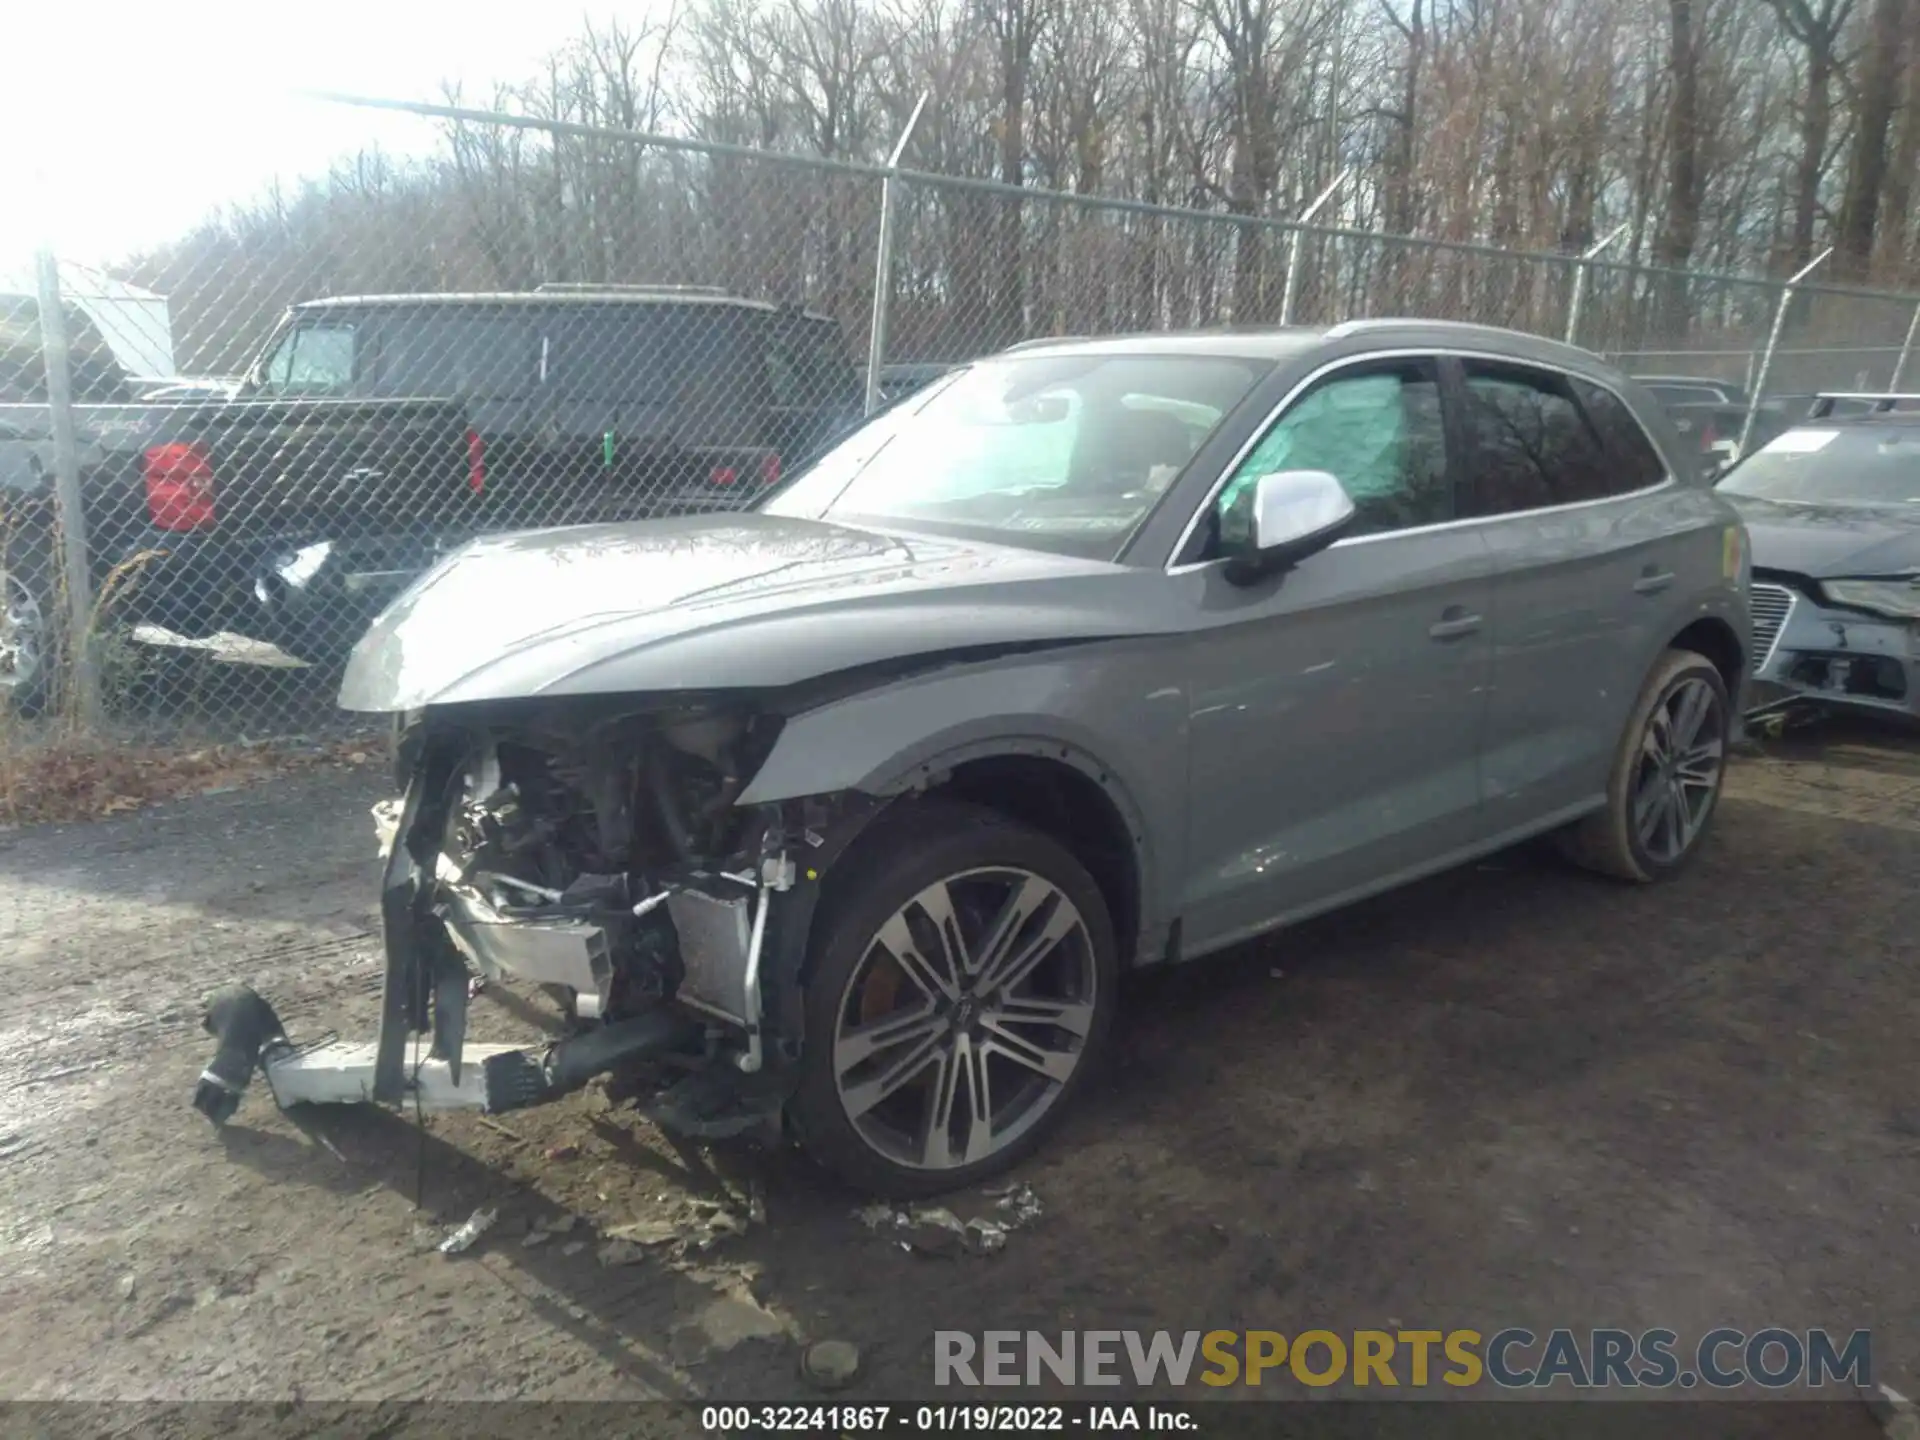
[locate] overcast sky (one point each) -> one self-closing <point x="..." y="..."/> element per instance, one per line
<point x="123" y="123"/>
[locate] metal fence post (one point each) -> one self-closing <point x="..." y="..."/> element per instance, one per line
<point x="1773" y="342"/>
<point x="1906" y="349"/>
<point x="70" y="520"/>
<point x="1289" y="287"/>
<point x="1578" y="301"/>
<point x="883" y="261"/>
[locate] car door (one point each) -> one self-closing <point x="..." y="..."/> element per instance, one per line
<point x="1585" y="553"/>
<point x="1336" y="709"/>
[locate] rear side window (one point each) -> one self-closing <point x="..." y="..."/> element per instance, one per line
<point x="1532" y="445"/>
<point x="1636" y="460"/>
<point x="809" y="367"/>
<point x="457" y="350"/>
<point x="647" y="354"/>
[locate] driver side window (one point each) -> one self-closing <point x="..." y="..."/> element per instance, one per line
<point x="1378" y="431"/>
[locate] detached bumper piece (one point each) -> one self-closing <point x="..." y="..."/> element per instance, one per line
<point x="494" y="1079"/>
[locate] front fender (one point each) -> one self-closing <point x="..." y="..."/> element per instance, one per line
<point x="1105" y="710"/>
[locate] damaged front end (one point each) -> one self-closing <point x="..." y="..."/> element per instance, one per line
<point x="601" y="855"/>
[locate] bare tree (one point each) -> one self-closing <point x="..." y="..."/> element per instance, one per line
<point x="1816" y="25"/>
<point x="1881" y="70"/>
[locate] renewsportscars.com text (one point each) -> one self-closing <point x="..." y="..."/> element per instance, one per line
<point x="1510" y="1359"/>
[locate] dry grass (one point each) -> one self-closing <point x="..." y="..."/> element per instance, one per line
<point x="62" y="776"/>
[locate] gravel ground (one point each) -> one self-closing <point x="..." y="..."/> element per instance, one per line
<point x="1510" y="1095"/>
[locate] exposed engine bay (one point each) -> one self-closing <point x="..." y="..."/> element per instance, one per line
<point x="602" y="857"/>
<point x="579" y="862"/>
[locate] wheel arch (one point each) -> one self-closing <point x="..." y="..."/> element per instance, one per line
<point x="1058" y="787"/>
<point x="1064" y="792"/>
<point x="1714" y="638"/>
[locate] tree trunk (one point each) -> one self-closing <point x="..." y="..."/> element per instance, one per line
<point x="1873" y="119"/>
<point x="1399" y="206"/>
<point x="1673" y="247"/>
<point x="1901" y="227"/>
<point x="1816" y="129"/>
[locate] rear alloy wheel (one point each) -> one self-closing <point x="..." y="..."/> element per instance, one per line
<point x="960" y="997"/>
<point x="1666" y="777"/>
<point x="1682" y="755"/>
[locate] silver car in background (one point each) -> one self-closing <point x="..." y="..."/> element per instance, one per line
<point x="1092" y="655"/>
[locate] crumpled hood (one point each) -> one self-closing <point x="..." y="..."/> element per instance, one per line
<point x="708" y="602"/>
<point x="1830" y="541"/>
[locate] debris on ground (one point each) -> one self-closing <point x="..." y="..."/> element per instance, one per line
<point x="983" y="1237"/>
<point x="936" y="1230"/>
<point x="468" y="1234"/>
<point x="698" y="1226"/>
<point x="733" y="1319"/>
<point x="540" y="1231"/>
<point x="648" y="1232"/>
<point x="573" y="1247"/>
<point x="620" y="1252"/>
<point x="830" y="1364"/>
<point x="563" y="1152"/>
<point x="1020" y="1205"/>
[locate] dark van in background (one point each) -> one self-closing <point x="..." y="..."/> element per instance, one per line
<point x="376" y="433"/>
<point x="588" y="403"/>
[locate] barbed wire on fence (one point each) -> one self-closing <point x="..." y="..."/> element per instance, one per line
<point x="280" y="419"/>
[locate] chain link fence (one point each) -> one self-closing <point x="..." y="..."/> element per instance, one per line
<point x="221" y="458"/>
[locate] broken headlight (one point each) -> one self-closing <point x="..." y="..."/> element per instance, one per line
<point x="1898" y="598"/>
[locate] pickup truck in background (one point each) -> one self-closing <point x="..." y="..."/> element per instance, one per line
<point x="376" y="433"/>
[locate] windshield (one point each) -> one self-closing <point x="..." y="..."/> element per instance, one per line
<point x="1861" y="466"/>
<point x="1062" y="452"/>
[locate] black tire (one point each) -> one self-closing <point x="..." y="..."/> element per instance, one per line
<point x="1609" y="841"/>
<point x="916" y="846"/>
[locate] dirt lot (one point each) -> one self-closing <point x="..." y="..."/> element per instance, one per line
<point x="1512" y="1095"/>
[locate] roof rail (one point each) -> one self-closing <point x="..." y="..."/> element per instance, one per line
<point x="573" y="287"/>
<point x="1042" y="342"/>
<point x="1883" y="401"/>
<point x="1392" y="322"/>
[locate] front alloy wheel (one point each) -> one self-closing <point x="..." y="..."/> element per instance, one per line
<point x="961" y="994"/>
<point x="966" y="1019"/>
